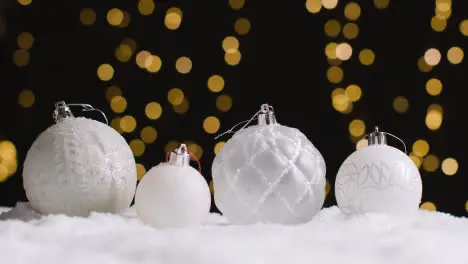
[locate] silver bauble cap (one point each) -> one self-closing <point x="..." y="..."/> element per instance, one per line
<point x="180" y="156"/>
<point x="61" y="112"/>
<point x="266" y="115"/>
<point x="377" y="137"/>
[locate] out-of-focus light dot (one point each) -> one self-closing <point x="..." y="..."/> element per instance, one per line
<point x="141" y="171"/>
<point x="352" y="11"/>
<point x="330" y="50"/>
<point x="466" y="206"/>
<point x="123" y="53"/>
<point x="313" y="6"/>
<point x="146" y="7"/>
<point x="335" y="74"/>
<point x="344" y="51"/>
<point x="432" y="56"/>
<point x="236" y="4"/>
<point x="400" y="104"/>
<point x="153" y="110"/>
<point x="113" y="91"/>
<point x="332" y="28"/>
<point x="144" y="59"/>
<point x="431" y="163"/>
<point x="224" y="102"/>
<point x="327" y="187"/>
<point x="443" y="14"/>
<point x="131" y="43"/>
<point x="362" y="143"/>
<point x="340" y="101"/>
<point x="211" y="186"/>
<point x="25" y="40"/>
<point x="126" y="20"/>
<point x="148" y="134"/>
<point x="230" y="44"/>
<point x="351" y="30"/>
<point x="118" y="104"/>
<point x="171" y="145"/>
<point x="232" y="58"/>
<point x="8" y="158"/>
<point x="329" y="4"/>
<point x="211" y="124"/>
<point x="115" y="124"/>
<point x="175" y="96"/>
<point x="416" y="160"/>
<point x="24" y="2"/>
<point x="21" y="57"/>
<point x="357" y="128"/>
<point x="215" y="83"/>
<point x="450" y="166"/>
<point x="115" y="16"/>
<point x="438" y="24"/>
<point x="173" y="18"/>
<point x="381" y="4"/>
<point x="242" y="26"/>
<point x="434" y="117"/>
<point x="420" y="147"/>
<point x="434" y="87"/>
<point x="334" y="62"/>
<point x="26" y="98"/>
<point x="183" y="107"/>
<point x="184" y="65"/>
<point x="105" y="72"/>
<point x="443" y="5"/>
<point x="455" y="55"/>
<point x="218" y="147"/>
<point x="366" y="57"/>
<point x="128" y="124"/>
<point x="87" y="16"/>
<point x="156" y="64"/>
<point x="196" y="149"/>
<point x="464" y="27"/>
<point x="423" y="66"/>
<point x="138" y="147"/>
<point x="428" y="206"/>
<point x="353" y="92"/>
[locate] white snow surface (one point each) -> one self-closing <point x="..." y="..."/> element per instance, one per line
<point x="331" y="237"/>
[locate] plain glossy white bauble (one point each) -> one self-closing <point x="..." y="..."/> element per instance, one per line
<point x="269" y="174"/>
<point x="172" y="196"/>
<point x="378" y="179"/>
<point x="78" y="166"/>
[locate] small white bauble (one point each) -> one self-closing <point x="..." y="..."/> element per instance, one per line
<point x="78" y="166"/>
<point x="378" y="179"/>
<point x="173" y="194"/>
<point x="269" y="173"/>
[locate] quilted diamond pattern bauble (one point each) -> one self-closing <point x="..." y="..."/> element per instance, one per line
<point x="77" y="166"/>
<point x="271" y="174"/>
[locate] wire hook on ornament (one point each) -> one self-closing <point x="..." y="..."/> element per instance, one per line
<point x="382" y="140"/>
<point x="90" y="108"/>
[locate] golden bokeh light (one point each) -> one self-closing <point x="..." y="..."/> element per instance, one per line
<point x="105" y="72"/>
<point x="113" y="91"/>
<point x="184" y="65"/>
<point x="232" y="58"/>
<point x="335" y="74"/>
<point x="25" y="40"/>
<point x="443" y="14"/>
<point x="141" y="171"/>
<point x="183" y="107"/>
<point x="366" y="57"/>
<point x="218" y="147"/>
<point x="353" y="92"/>
<point x="138" y="147"/>
<point x="455" y="55"/>
<point x="212" y="190"/>
<point x="87" y="16"/>
<point x="26" y="98"/>
<point x="115" y="124"/>
<point x="431" y="163"/>
<point x="128" y="124"/>
<point x="21" y="57"/>
<point x="313" y="6"/>
<point x="416" y="160"/>
<point x="131" y="43"/>
<point x="118" y="104"/>
<point x="156" y="64"/>
<point x="340" y="101"/>
<point x="215" y="83"/>
<point x="400" y="104"/>
<point x="357" y="128"/>
<point x="450" y="166"/>
<point x="362" y="143"/>
<point x="438" y="24"/>
<point x="175" y="96"/>
<point x="144" y="59"/>
<point x="211" y="124"/>
<point x="332" y="28"/>
<point x="8" y="159"/>
<point x="171" y="145"/>
<point x="126" y="20"/>
<point x="224" y="102"/>
<point x="24" y="2"/>
<point x="242" y="26"/>
<point x="330" y="50"/>
<point x="146" y="7"/>
<point x="148" y="134"/>
<point x="423" y="66"/>
<point x="196" y="149"/>
<point x="352" y="11"/>
<point x="381" y="4"/>
<point x="432" y="56"/>
<point x="236" y="4"/>
<point x="173" y="18"/>
<point x="434" y="117"/>
<point x="464" y="27"/>
<point x="420" y="148"/>
<point x="344" y="51"/>
<point x="434" y="86"/>
<point x="153" y="110"/>
<point x="428" y="206"/>
<point x="115" y="16"/>
<point x="350" y="30"/>
<point x="466" y="205"/>
<point x="123" y="53"/>
<point x="334" y="62"/>
<point x="230" y="44"/>
<point x="329" y="4"/>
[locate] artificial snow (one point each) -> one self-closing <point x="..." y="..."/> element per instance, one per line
<point x="427" y="237"/>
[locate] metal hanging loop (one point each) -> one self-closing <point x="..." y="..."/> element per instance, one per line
<point x="62" y="111"/>
<point x="378" y="138"/>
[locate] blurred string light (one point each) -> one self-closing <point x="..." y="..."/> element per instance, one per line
<point x="416" y="160"/>
<point x="118" y="104"/>
<point x="115" y="16"/>
<point x="236" y="4"/>
<point x="8" y="159"/>
<point x="344" y="51"/>
<point x="230" y="44"/>
<point x="438" y="24"/>
<point x="332" y="28"/>
<point x="232" y="59"/>
<point x="184" y="65"/>
<point x="138" y="147"/>
<point x="352" y="11"/>
<point x="211" y="124"/>
<point x="146" y="7"/>
<point x="366" y="57"/>
<point x="362" y="143"/>
<point x="112" y="91"/>
<point x="21" y="57"/>
<point x="400" y="104"/>
<point x="26" y="98"/>
<point x="434" y="117"/>
<point x="423" y="66"/>
<point x="357" y="128"/>
<point x="126" y="20"/>
<point x="148" y="134"/>
<point x="224" y="102"/>
<point x="463" y="27"/>
<point x="128" y="124"/>
<point x="432" y="56"/>
<point x="173" y="18"/>
<point x="242" y="26"/>
<point x="428" y="206"/>
<point x="455" y="55"/>
<point x="25" y="40"/>
<point x="381" y="4"/>
<point x="313" y="6"/>
<point x="450" y="166"/>
<point x="329" y="4"/>
<point x="24" y="2"/>
<point x="335" y="74"/>
<point x="218" y="147"/>
<point x="431" y="163"/>
<point x="141" y="171"/>
<point x="215" y="83"/>
<point x="183" y="107"/>
<point x="175" y="96"/>
<point x="105" y="72"/>
<point x="351" y="31"/>
<point x="123" y="53"/>
<point x="153" y="110"/>
<point x="420" y="148"/>
<point x="87" y="16"/>
<point x="434" y="86"/>
<point x="196" y="149"/>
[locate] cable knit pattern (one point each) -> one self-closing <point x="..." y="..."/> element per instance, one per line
<point x="269" y="173"/>
<point x="78" y="166"/>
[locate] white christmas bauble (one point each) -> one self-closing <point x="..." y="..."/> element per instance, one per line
<point x="378" y="179"/>
<point x="269" y="173"/>
<point x="173" y="196"/>
<point x="78" y="166"/>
